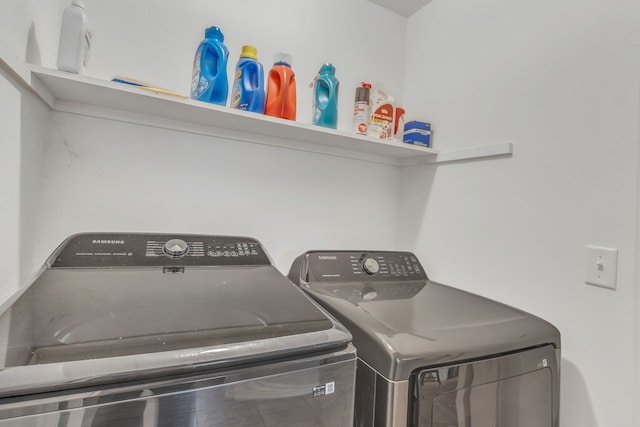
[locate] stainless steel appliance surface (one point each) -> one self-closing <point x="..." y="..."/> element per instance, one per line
<point x="170" y="330"/>
<point x="429" y="354"/>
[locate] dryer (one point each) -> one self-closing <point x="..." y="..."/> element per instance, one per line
<point x="130" y="330"/>
<point x="432" y="355"/>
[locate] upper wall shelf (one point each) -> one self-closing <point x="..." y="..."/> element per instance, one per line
<point x="99" y="98"/>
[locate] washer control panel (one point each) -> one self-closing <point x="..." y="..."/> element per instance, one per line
<point x="362" y="266"/>
<point x="378" y="291"/>
<point x="167" y="250"/>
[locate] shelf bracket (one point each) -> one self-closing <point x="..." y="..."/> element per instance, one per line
<point x="486" y="151"/>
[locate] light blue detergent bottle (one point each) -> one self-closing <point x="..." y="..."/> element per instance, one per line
<point x="325" y="98"/>
<point x="209" y="82"/>
<point x="248" y="84"/>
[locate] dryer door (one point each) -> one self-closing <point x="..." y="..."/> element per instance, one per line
<point x="520" y="389"/>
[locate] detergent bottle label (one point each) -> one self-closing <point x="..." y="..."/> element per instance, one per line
<point x="360" y="117"/>
<point x="198" y="83"/>
<point x="236" y="92"/>
<point x="381" y="125"/>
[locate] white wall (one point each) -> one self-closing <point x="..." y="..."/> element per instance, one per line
<point x="560" y="81"/>
<point x="28" y="31"/>
<point x="158" y="44"/>
<point x="106" y="175"/>
<point x="9" y="185"/>
<point x="34" y="116"/>
<point x="22" y="121"/>
<point x="31" y="28"/>
<point x="101" y="175"/>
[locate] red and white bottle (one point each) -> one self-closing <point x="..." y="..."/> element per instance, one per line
<point x="361" y="109"/>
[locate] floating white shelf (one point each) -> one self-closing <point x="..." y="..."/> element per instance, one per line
<point x="83" y="95"/>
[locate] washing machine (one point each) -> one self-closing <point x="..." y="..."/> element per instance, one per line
<point x="429" y="354"/>
<point x="170" y="330"/>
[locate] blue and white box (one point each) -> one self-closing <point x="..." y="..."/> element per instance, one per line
<point x="417" y="133"/>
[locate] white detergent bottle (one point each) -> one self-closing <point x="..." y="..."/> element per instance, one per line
<point x="73" y="49"/>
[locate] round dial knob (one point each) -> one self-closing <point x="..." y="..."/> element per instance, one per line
<point x="176" y="248"/>
<point x="370" y="266"/>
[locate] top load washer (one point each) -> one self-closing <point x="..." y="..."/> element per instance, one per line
<point x="170" y="330"/>
<point x="431" y="355"/>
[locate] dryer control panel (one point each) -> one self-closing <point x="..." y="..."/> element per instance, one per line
<point x="365" y="266"/>
<point x="151" y="250"/>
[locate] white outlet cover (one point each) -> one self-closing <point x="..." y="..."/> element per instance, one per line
<point x="602" y="267"/>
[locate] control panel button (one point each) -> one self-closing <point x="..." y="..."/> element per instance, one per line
<point x="370" y="266"/>
<point x="370" y="296"/>
<point x="368" y="293"/>
<point x="176" y="248"/>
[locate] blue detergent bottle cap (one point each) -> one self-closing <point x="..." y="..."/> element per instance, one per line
<point x="214" y="33"/>
<point x="328" y="69"/>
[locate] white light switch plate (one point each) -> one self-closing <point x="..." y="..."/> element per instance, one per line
<point x="602" y="267"/>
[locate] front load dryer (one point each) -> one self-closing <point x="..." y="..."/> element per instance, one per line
<point x="430" y="355"/>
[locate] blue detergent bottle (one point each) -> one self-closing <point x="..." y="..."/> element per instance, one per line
<point x="325" y="98"/>
<point x="209" y="81"/>
<point x="248" y="84"/>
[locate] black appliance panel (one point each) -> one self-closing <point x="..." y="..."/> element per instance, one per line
<point x="363" y="267"/>
<point x="157" y="250"/>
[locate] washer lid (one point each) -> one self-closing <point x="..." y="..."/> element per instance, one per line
<point x="77" y="325"/>
<point x="401" y="321"/>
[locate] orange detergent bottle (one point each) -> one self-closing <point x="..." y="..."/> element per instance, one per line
<point x="281" y="89"/>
